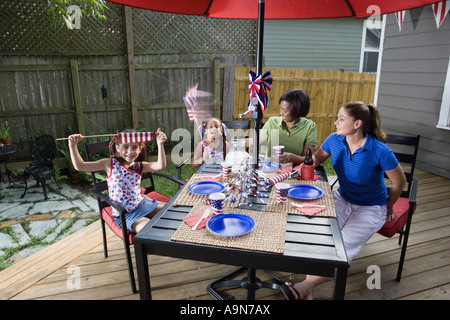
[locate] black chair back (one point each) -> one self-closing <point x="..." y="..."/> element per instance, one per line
<point x="405" y="149"/>
<point x="238" y="129"/>
<point x="43" y="149"/>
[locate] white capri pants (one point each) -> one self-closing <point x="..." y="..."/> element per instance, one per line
<point x="358" y="223"/>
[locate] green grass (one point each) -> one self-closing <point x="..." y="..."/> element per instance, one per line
<point x="329" y="167"/>
<point x="168" y="187"/>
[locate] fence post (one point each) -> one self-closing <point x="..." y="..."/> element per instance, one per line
<point x="77" y="95"/>
<point x="131" y="67"/>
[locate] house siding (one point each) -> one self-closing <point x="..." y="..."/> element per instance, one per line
<point x="412" y="78"/>
<point x="325" y="44"/>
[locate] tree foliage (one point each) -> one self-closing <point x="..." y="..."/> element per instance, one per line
<point x="59" y="9"/>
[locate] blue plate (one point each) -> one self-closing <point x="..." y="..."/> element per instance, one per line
<point x="206" y="187"/>
<point x="230" y="224"/>
<point x="304" y="192"/>
<point x="267" y="166"/>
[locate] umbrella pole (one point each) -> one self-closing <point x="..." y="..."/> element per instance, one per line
<point x="257" y="113"/>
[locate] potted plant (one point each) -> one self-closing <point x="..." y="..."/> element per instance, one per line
<point x="4" y="135"/>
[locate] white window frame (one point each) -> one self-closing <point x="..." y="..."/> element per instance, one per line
<point x="363" y="45"/>
<point x="444" y="114"/>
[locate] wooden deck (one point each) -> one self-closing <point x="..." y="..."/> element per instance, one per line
<point x="52" y="273"/>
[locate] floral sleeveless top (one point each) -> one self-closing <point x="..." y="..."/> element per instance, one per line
<point x="124" y="185"/>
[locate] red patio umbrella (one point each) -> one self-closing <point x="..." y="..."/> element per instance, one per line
<point x="275" y="9"/>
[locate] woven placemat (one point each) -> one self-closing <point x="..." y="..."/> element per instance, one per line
<point x="268" y="235"/>
<point x="326" y="199"/>
<point x="187" y="198"/>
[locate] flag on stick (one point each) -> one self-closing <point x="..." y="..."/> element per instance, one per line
<point x="189" y="102"/>
<point x="130" y="137"/>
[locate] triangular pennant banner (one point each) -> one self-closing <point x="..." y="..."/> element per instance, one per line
<point x="400" y="15"/>
<point x="440" y="11"/>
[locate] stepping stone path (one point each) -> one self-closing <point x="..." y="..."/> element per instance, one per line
<point x="29" y="224"/>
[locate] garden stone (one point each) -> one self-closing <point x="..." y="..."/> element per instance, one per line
<point x="51" y="206"/>
<point x="69" y="192"/>
<point x="16" y="212"/>
<point x="78" y="225"/>
<point x="6" y="241"/>
<point x="81" y="205"/>
<point x="21" y="236"/>
<point x="52" y="236"/>
<point x="90" y="202"/>
<point x="24" y="253"/>
<point x="38" y="228"/>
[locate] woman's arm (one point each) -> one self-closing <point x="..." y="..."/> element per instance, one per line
<point x="320" y="157"/>
<point x="294" y="158"/>
<point x="398" y="180"/>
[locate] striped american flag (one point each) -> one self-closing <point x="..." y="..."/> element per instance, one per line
<point x="189" y="101"/>
<point x="130" y="137"/>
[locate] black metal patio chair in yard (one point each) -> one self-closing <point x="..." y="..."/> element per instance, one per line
<point x="43" y="151"/>
<point x="105" y="204"/>
<point x="405" y="148"/>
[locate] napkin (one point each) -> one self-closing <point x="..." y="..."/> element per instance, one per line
<point x="210" y="177"/>
<point x="284" y="169"/>
<point x="309" y="211"/>
<point x="192" y="220"/>
<point x="314" y="179"/>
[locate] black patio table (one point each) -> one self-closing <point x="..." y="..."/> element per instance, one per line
<point x="313" y="245"/>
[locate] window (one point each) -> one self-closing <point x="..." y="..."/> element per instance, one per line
<point x="444" y="115"/>
<point x="370" y="49"/>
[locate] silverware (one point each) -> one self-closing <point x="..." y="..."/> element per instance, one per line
<point x="204" y="215"/>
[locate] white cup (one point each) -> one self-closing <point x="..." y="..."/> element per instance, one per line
<point x="278" y="150"/>
<point x="217" y="200"/>
<point x="226" y="169"/>
<point x="282" y="189"/>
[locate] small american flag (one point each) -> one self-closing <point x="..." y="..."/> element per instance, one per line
<point x="189" y="101"/>
<point x="130" y="137"/>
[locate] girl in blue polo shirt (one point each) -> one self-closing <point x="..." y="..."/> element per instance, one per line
<point x="360" y="158"/>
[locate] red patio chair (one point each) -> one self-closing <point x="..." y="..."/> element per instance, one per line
<point x="93" y="150"/>
<point x="405" y="149"/>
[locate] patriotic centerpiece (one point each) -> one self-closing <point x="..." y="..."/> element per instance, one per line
<point x="258" y="87"/>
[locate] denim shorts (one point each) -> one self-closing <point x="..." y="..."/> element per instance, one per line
<point x="145" y="207"/>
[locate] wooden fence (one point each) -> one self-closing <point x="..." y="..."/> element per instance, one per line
<point x="328" y="90"/>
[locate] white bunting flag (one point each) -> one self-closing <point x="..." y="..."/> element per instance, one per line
<point x="400" y="15"/>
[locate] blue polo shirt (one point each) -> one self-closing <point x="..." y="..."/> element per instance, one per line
<point x="361" y="179"/>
